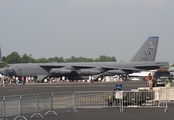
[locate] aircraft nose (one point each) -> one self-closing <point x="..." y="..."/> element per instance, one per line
<point x="10" y="72"/>
<point x="3" y="71"/>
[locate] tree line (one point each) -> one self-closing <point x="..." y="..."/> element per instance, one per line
<point x="14" y="57"/>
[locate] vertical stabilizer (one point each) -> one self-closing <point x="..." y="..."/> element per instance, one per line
<point x="0" y="55"/>
<point x="147" y="51"/>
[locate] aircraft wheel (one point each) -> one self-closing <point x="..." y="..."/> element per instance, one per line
<point x="45" y="80"/>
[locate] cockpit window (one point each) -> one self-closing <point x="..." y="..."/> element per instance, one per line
<point x="7" y="66"/>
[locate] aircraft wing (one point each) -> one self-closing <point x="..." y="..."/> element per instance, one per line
<point x="62" y="66"/>
<point x="93" y="69"/>
<point x="79" y="68"/>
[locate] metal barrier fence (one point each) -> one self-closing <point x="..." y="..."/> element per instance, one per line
<point x="62" y="100"/>
<point x="86" y="99"/>
<point x="145" y="99"/>
<point x="34" y="104"/>
<point x="169" y="93"/>
<point x="120" y="99"/>
<point x="20" y="105"/>
<point x="1" y="107"/>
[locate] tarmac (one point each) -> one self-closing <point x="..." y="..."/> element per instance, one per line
<point x="90" y="113"/>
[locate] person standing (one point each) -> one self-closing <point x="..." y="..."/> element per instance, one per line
<point x="17" y="80"/>
<point x="32" y="79"/>
<point x="149" y="80"/>
<point x="91" y="78"/>
<point x="29" y="79"/>
<point x="22" y="78"/>
<point x="14" y="80"/>
<point x="3" y="81"/>
<point x="63" y="78"/>
<point x="104" y="78"/>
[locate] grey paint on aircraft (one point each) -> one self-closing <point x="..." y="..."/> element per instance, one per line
<point x="144" y="59"/>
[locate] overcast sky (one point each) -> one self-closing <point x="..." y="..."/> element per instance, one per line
<point x="86" y="28"/>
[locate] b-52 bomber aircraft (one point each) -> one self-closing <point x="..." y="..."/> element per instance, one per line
<point x="144" y="59"/>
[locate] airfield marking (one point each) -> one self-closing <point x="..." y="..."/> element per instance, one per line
<point x="63" y="85"/>
<point x="19" y="89"/>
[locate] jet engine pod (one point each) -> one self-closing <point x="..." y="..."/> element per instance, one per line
<point x="116" y="71"/>
<point x="60" y="71"/>
<point x="113" y="72"/>
<point x="89" y="71"/>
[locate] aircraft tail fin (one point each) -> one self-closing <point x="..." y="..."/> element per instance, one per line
<point x="0" y="56"/>
<point x="147" y="51"/>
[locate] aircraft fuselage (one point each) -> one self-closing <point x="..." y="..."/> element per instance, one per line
<point x="81" y="70"/>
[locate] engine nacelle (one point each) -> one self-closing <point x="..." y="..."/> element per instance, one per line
<point x="60" y="71"/>
<point x="89" y="72"/>
<point x="113" y="72"/>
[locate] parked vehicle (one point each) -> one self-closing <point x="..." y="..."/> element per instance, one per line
<point x="161" y="77"/>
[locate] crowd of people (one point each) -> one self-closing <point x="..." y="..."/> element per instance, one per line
<point x="16" y="80"/>
<point x="30" y="79"/>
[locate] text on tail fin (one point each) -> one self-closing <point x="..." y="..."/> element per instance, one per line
<point x="147" y="51"/>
